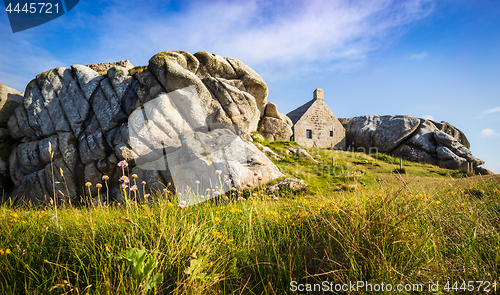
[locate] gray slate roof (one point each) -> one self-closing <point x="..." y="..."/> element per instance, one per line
<point x="296" y="114"/>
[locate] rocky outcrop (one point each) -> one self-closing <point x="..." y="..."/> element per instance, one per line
<point x="205" y="161"/>
<point x="10" y="99"/>
<point x="268" y="152"/>
<point x="228" y="90"/>
<point x="275" y="125"/>
<point x="414" y="139"/>
<point x="382" y="132"/>
<point x="453" y="131"/>
<point x="275" y="129"/>
<point x="484" y="171"/>
<point x="76" y="125"/>
<point x="104" y="67"/>
<point x="287" y="184"/>
<point x="301" y="153"/>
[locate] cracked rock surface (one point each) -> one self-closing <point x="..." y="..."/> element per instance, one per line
<point x="72" y="124"/>
<point x="414" y="139"/>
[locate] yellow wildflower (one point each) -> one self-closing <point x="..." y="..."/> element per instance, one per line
<point x="217" y="234"/>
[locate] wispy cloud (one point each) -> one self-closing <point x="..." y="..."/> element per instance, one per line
<point x="291" y="37"/>
<point x="419" y="55"/>
<point x="488" y="132"/>
<point x="21" y="58"/>
<point x="270" y="35"/>
<point x="428" y="117"/>
<point x="491" y="111"/>
<point x="487" y="112"/>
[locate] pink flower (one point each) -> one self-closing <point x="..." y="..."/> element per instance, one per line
<point x="143" y="182"/>
<point x="133" y="188"/>
<point x="275" y="199"/>
<point x="216" y="193"/>
<point x="240" y="199"/>
<point x="124" y="186"/>
<point x="228" y="181"/>
<point x="182" y="204"/>
<point x="123" y="164"/>
<point x="146" y="196"/>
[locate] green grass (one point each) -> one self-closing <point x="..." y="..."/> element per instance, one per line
<point x="363" y="224"/>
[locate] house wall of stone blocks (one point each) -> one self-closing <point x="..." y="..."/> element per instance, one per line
<point x="315" y="125"/>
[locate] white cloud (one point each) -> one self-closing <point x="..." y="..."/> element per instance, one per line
<point x="488" y="132"/>
<point x="279" y="38"/>
<point x="428" y="117"/>
<point x="419" y="55"/>
<point x="268" y="34"/>
<point x="21" y="58"/>
<point x="491" y="111"/>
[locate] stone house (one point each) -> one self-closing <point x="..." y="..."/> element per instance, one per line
<point x="315" y="125"/>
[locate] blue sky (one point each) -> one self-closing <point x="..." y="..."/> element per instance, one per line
<point x="435" y="59"/>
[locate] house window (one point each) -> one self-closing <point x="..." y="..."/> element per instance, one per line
<point x="331" y="133"/>
<point x="309" y="133"/>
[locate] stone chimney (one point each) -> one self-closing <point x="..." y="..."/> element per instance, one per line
<point x="318" y="94"/>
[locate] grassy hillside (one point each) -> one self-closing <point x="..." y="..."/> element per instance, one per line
<point x="356" y="221"/>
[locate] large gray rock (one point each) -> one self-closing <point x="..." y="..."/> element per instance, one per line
<point x="450" y="160"/>
<point x="275" y="129"/>
<point x="86" y="118"/>
<point x="453" y="131"/>
<point x="415" y="155"/>
<point x="456" y="147"/>
<point x="104" y="67"/>
<point x="275" y="125"/>
<point x="417" y="140"/>
<point x="423" y="138"/>
<point x="272" y="111"/>
<point x="483" y="171"/>
<point x="207" y="160"/>
<point x="229" y="92"/>
<point x="287" y="183"/>
<point x="444" y="153"/>
<point x="9" y="100"/>
<point x="383" y="132"/>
